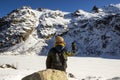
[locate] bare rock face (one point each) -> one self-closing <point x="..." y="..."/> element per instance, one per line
<point x="16" y="27"/>
<point x="48" y="74"/>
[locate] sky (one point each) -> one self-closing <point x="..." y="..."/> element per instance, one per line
<point x="6" y="6"/>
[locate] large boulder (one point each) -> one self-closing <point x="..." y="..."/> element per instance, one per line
<point x="48" y="74"/>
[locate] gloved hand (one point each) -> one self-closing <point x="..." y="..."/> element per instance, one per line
<point x="74" y="46"/>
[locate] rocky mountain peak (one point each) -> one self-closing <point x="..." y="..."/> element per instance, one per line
<point x="30" y="31"/>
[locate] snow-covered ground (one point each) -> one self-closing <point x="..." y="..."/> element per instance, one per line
<point x="87" y="68"/>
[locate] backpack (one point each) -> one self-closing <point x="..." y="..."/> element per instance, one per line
<point x="58" y="60"/>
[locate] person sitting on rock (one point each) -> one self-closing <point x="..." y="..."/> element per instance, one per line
<point x="57" y="55"/>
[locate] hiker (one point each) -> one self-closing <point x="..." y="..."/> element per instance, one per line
<point x="57" y="55"/>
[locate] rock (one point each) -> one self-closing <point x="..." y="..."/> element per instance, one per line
<point x="48" y="74"/>
<point x="8" y="66"/>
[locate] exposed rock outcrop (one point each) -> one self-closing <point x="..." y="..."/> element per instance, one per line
<point x="49" y="74"/>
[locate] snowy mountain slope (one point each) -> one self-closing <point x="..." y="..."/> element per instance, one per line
<point x="28" y="31"/>
<point x="112" y="8"/>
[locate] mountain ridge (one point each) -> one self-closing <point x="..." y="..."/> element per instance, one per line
<point x="28" y="31"/>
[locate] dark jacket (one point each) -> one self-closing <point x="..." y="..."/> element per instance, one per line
<point x="57" y="58"/>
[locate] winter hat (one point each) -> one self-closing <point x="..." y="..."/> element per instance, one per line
<point x="59" y="40"/>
